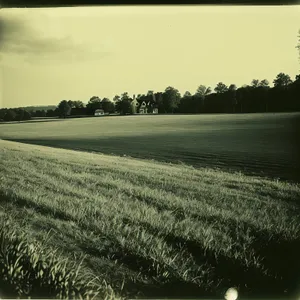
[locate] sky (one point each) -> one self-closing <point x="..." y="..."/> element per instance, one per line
<point x="73" y="53"/>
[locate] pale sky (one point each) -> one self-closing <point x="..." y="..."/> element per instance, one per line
<point x="74" y="53"/>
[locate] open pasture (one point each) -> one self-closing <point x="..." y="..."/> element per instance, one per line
<point x="259" y="144"/>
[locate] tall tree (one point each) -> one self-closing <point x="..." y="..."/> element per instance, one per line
<point x="187" y="94"/>
<point x="3" y="112"/>
<point x="221" y="88"/>
<point x="78" y="107"/>
<point x="78" y="104"/>
<point x="201" y="93"/>
<point x="50" y="113"/>
<point x="93" y="104"/>
<point x="232" y="99"/>
<point x="187" y="103"/>
<point x="21" y="115"/>
<point x="255" y="83"/>
<point x="125" y="96"/>
<point x="159" y="102"/>
<point x="232" y="87"/>
<point x="171" y="99"/>
<point x="10" y="115"/>
<point x="107" y="105"/>
<point x="123" y="104"/>
<point x="298" y="45"/>
<point x="116" y="98"/>
<point x="64" y="108"/>
<point x="26" y="115"/>
<point x="264" y="83"/>
<point x="282" y="80"/>
<point x="295" y="94"/>
<point x="243" y="95"/>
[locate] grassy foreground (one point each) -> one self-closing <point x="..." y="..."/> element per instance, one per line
<point x="155" y="229"/>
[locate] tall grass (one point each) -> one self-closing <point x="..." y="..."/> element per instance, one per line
<point x="28" y="269"/>
<point x="154" y="229"/>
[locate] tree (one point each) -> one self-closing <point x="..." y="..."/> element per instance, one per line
<point x="123" y="104"/>
<point x="125" y="96"/>
<point x="280" y="94"/>
<point x="159" y="101"/>
<point x="171" y="99"/>
<point x="298" y="45"/>
<point x="282" y="80"/>
<point x="255" y="83"/>
<point x="295" y="93"/>
<point x="232" y="99"/>
<point x="27" y="115"/>
<point x="56" y="112"/>
<point x="93" y="104"/>
<point x="187" y="103"/>
<point x="78" y="107"/>
<point x="232" y="87"/>
<point x="3" y="112"/>
<point x="116" y="98"/>
<point x="64" y="108"/>
<point x="50" y="113"/>
<point x="40" y="113"/>
<point x="243" y="96"/>
<point x="107" y="105"/>
<point x="187" y="94"/>
<point x="264" y="83"/>
<point x="221" y="88"/>
<point x="76" y="104"/>
<point x="201" y="93"/>
<point x="70" y="102"/>
<point x="150" y="93"/>
<point x="10" y="115"/>
<point x="20" y="115"/>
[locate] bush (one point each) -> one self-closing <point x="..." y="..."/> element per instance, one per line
<point x="28" y="270"/>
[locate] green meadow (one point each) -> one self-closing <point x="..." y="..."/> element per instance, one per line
<point x="257" y="144"/>
<point x="193" y="208"/>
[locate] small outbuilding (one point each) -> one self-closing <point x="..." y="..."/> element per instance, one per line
<point x="99" y="112"/>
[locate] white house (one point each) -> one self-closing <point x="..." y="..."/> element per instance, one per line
<point x="143" y="108"/>
<point x="99" y="112"/>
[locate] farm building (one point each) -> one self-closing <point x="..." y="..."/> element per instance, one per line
<point x="99" y="112"/>
<point x="143" y="108"/>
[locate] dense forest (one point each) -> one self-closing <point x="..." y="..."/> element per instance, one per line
<point x="284" y="96"/>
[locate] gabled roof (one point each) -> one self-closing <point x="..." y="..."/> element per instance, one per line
<point x="135" y="102"/>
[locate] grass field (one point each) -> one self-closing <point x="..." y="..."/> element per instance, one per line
<point x="149" y="227"/>
<point x="259" y="144"/>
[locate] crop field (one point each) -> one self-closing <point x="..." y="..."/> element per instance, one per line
<point x="258" y="144"/>
<point x="149" y="228"/>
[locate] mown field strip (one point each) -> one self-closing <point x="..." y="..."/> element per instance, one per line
<point x="256" y="144"/>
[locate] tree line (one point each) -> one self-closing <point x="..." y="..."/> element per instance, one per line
<point x="258" y="96"/>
